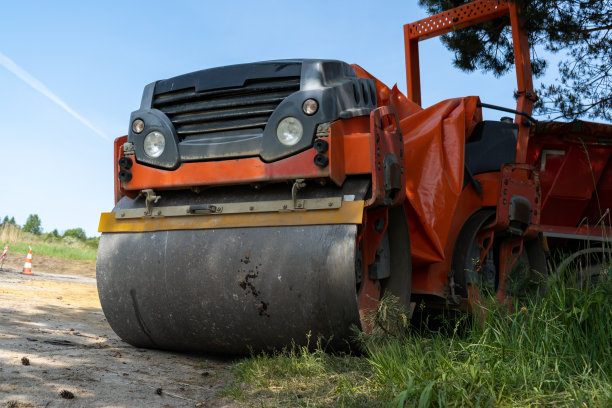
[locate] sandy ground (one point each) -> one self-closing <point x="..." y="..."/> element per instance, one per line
<point x="54" y="340"/>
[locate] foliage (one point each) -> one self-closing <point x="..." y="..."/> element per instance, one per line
<point x="33" y="225"/>
<point x="553" y="350"/>
<point x="58" y="250"/>
<point x="7" y="221"/>
<point x="50" y="244"/>
<point x="580" y="29"/>
<point x="300" y="377"/>
<point x="76" y="233"/>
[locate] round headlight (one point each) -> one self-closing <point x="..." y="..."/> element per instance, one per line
<point x="137" y="125"/>
<point x="310" y="106"/>
<point x="154" y="144"/>
<point x="289" y="131"/>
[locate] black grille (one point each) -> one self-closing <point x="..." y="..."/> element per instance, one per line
<point x="235" y="110"/>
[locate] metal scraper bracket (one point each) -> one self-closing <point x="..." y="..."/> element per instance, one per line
<point x="330" y="203"/>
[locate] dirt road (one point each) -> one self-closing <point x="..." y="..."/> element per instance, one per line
<point x="55" y="343"/>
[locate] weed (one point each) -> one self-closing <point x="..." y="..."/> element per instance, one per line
<point x="552" y="350"/>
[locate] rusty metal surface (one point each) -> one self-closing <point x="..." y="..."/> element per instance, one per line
<point x="229" y="290"/>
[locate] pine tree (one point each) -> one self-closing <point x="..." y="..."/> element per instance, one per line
<point x="581" y="30"/>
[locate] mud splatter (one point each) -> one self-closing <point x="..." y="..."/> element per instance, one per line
<point x="247" y="284"/>
<point x="262" y="307"/>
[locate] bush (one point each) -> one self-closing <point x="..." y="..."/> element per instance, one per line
<point x="76" y="233"/>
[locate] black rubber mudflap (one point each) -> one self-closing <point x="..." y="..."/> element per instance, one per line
<point x="229" y="290"/>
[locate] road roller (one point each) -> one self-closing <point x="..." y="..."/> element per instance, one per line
<point x="259" y="205"/>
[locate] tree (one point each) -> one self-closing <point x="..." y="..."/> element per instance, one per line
<point x="77" y="233"/>
<point x="579" y="29"/>
<point x="32" y="224"/>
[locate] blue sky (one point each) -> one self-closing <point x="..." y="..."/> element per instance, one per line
<point x="96" y="57"/>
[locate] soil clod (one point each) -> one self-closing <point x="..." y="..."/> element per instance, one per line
<point x="66" y="394"/>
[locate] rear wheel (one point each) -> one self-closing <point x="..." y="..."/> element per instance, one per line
<point x="466" y="265"/>
<point x="475" y="275"/>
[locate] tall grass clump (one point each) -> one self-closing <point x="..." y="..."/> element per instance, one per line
<point x="554" y="350"/>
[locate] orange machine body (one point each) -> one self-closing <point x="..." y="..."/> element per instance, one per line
<point x="437" y="204"/>
<point x="436" y="199"/>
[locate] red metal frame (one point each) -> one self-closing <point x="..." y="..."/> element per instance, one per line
<point x="575" y="164"/>
<point x="526" y="184"/>
<point x="518" y="180"/>
<point x="385" y="140"/>
<point x="370" y="290"/>
<point x="465" y="16"/>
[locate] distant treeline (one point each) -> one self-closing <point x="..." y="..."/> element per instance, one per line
<point x="33" y="225"/>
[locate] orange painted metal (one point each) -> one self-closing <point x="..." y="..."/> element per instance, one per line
<point x="518" y="180"/>
<point x="575" y="164"/>
<point x="464" y="16"/>
<point x="385" y="139"/>
<point x="437" y="203"/>
<point x="525" y="93"/>
<point x="355" y="136"/>
<point x="457" y="18"/>
<point x="337" y="165"/>
<point x="430" y="276"/>
<point x="434" y="140"/>
<point x="437" y="208"/>
<point x="224" y="172"/>
<point x="509" y="252"/>
<point x="439" y="24"/>
<point x="117" y="153"/>
<point x="413" y="72"/>
<point x="370" y="290"/>
<point x="349" y="154"/>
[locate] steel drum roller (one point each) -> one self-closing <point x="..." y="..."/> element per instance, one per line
<point x="229" y="290"/>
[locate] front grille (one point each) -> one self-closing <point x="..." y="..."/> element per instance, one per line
<point x="240" y="110"/>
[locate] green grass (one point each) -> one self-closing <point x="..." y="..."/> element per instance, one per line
<point x="554" y="350"/>
<point x="47" y="244"/>
<point x="298" y="377"/>
<point x="55" y="250"/>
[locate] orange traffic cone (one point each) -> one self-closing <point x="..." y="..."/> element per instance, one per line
<point x="27" y="266"/>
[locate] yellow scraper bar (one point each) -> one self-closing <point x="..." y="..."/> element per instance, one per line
<point x="350" y="212"/>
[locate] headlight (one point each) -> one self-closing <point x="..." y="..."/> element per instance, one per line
<point x="154" y="144"/>
<point x="289" y="131"/>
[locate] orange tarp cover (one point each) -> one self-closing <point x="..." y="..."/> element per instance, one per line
<point x="434" y="146"/>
